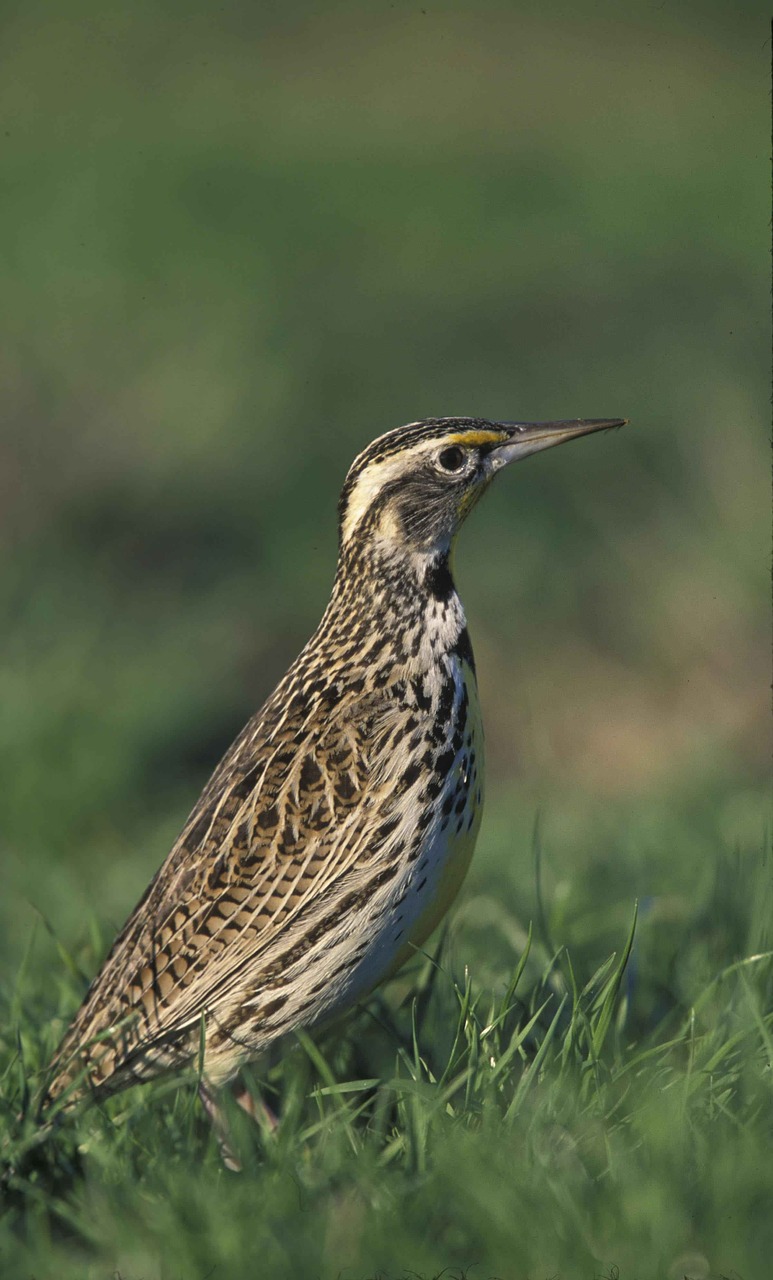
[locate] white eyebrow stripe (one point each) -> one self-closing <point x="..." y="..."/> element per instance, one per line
<point x="374" y="477"/>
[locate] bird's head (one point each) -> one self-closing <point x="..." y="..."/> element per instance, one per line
<point x="412" y="488"/>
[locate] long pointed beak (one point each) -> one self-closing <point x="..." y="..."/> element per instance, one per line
<point x="531" y="437"/>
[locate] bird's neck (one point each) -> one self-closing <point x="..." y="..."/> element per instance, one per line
<point x="409" y="599"/>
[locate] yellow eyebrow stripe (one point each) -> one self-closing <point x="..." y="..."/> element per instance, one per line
<point x="476" y="437"/>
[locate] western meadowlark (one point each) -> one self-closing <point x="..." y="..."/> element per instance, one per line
<point x="337" y="829"/>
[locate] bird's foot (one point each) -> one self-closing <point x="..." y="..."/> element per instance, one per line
<point x="254" y="1107"/>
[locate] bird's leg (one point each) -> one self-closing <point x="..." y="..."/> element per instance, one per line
<point x="219" y="1121"/>
<point x="256" y="1108"/>
<point x="217" y="1114"/>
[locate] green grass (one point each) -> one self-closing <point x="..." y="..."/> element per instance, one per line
<point x="551" y="1122"/>
<point x="239" y="241"/>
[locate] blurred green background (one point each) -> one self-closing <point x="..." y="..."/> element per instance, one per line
<point x="239" y="242"/>
<point x="242" y="240"/>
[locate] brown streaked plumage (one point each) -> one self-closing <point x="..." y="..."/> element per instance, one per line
<point x="338" y="826"/>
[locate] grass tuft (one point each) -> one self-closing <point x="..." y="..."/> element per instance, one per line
<point x="529" y="1127"/>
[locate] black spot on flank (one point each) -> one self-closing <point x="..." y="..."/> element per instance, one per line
<point x="410" y="776"/>
<point x="463" y="648"/>
<point x="446" y="702"/>
<point x="457" y="740"/>
<point x="438" y="580"/>
<point x="423" y="699"/>
<point x="319" y="986"/>
<point x="415" y="849"/>
<point x="386" y="829"/>
<point x="273" y="1006"/>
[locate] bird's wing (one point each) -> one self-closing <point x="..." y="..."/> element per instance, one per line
<point x="298" y="806"/>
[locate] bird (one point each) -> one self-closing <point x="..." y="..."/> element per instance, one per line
<point x="338" y="827"/>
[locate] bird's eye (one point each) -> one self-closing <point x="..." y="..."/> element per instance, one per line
<point x="451" y="459"/>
